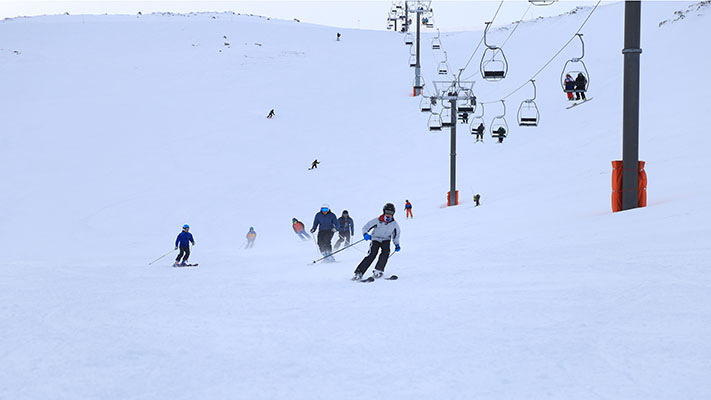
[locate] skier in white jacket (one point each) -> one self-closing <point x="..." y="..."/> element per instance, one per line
<point x="384" y="228"/>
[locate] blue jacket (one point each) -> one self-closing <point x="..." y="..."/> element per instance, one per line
<point x="325" y="222"/>
<point x="184" y="239"/>
<point x="346" y="224"/>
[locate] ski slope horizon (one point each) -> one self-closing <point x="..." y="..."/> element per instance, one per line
<point x="117" y="130"/>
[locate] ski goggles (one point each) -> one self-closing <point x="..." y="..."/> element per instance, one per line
<point x="388" y="212"/>
<point x="324" y="209"/>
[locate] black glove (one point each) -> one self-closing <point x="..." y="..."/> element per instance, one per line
<point x="313" y="230"/>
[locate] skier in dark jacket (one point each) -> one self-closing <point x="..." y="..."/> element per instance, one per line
<point x="327" y="225"/>
<point x="345" y="231"/>
<point x="315" y="164"/>
<point x="384" y="229"/>
<point x="580" y="83"/>
<point x="182" y="242"/>
<point x="271" y="114"/>
<point x="569" y="86"/>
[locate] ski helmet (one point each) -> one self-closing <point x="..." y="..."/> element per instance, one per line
<point x="251" y="228"/>
<point x="389" y="208"/>
<point x="325" y="207"/>
<point x="186" y="226"/>
<point x="345" y="212"/>
<point x="294" y="220"/>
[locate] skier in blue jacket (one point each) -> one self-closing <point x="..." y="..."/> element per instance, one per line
<point x="183" y="242"/>
<point x="327" y="225"/>
<point x="345" y="231"/>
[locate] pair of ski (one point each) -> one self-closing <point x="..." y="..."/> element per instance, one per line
<point x="186" y="265"/>
<point x="577" y="104"/>
<point x="371" y="279"/>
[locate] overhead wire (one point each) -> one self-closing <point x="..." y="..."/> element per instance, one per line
<point x="551" y="59"/>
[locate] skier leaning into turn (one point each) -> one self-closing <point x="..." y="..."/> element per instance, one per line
<point x="183" y="242"/>
<point x="384" y="228"/>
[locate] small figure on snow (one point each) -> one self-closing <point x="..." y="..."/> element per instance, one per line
<point x="314" y="164"/>
<point x="271" y="114"/>
<point x="479" y="132"/>
<point x="385" y="229"/>
<point x="338" y="36"/>
<point x="183" y="242"/>
<point x="327" y="225"/>
<point x="476" y="200"/>
<point x="408" y="209"/>
<point x="299" y="228"/>
<point x="251" y="236"/>
<point x="569" y="86"/>
<point x="580" y="83"/>
<point x="345" y="231"/>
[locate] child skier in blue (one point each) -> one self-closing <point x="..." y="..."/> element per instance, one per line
<point x="183" y="242"/>
<point x="251" y="236"/>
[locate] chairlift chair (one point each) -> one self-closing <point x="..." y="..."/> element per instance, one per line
<point x="443" y="68"/>
<point x="446" y="116"/>
<point x="426" y="104"/>
<point x="573" y="67"/>
<point x="493" y="65"/>
<point x="542" y="2"/>
<point x="436" y="43"/>
<point x="528" y="114"/>
<point x="499" y="128"/>
<point x="409" y="39"/>
<point x="476" y="121"/>
<point x="434" y="123"/>
<point x="467" y="105"/>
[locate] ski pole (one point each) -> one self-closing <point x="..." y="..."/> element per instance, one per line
<point x="161" y="257"/>
<point x="337" y="251"/>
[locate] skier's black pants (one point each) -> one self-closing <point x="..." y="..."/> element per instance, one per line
<point x="375" y="245"/>
<point x="343" y="237"/>
<point x="324" y="241"/>
<point x="184" y="250"/>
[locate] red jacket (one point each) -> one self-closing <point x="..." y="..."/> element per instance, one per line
<point x="298" y="227"/>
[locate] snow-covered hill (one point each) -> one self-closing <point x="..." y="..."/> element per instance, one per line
<point x="117" y="130"/>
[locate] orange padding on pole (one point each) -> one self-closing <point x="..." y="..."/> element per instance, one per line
<point x="456" y="198"/>
<point x="617" y="185"/>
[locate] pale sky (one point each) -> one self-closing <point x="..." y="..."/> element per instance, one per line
<point x="365" y="14"/>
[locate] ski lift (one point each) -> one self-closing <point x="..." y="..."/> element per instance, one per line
<point x="446" y="116"/>
<point x="493" y="64"/>
<point x="429" y="19"/>
<point x="573" y="67"/>
<point x="443" y="68"/>
<point x="409" y="39"/>
<point x="528" y="114"/>
<point x="467" y="105"/>
<point x="436" y="43"/>
<point x="419" y="86"/>
<point x="478" y="126"/>
<point x="435" y="122"/>
<point x="426" y="103"/>
<point x="542" y="2"/>
<point x="413" y="57"/>
<point x="499" y="128"/>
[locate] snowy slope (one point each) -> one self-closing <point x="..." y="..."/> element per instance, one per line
<point x="116" y="130"/>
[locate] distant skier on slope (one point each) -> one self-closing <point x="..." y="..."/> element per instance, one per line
<point x="251" y="236"/>
<point x="314" y="164"/>
<point x="327" y="225"/>
<point x="271" y="114"/>
<point x="408" y="209"/>
<point x="385" y="229"/>
<point x="338" y="36"/>
<point x="476" y="200"/>
<point x="345" y="231"/>
<point x="299" y="228"/>
<point x="183" y="242"/>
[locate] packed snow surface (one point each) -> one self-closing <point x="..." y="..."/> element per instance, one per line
<point x="117" y="130"/>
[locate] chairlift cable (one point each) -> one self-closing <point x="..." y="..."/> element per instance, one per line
<point x="516" y="27"/>
<point x="552" y="58"/>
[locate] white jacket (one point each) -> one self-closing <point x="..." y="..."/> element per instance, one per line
<point x="383" y="230"/>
